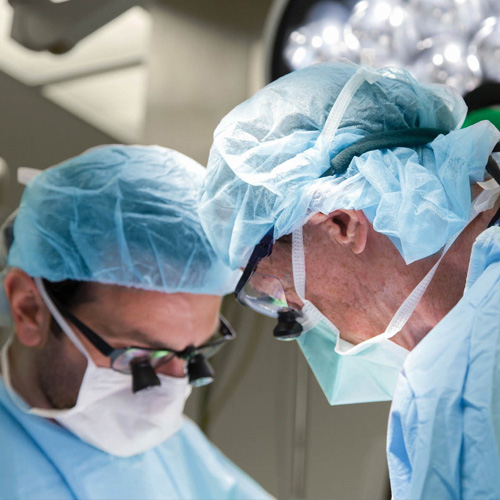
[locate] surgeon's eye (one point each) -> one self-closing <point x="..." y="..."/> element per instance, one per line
<point x="125" y="358"/>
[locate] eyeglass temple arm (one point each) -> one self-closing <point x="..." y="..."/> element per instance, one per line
<point x="261" y="250"/>
<point x="99" y="343"/>
<point x="225" y="324"/>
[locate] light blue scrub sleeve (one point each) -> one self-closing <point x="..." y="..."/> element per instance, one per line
<point x="40" y="460"/>
<point x="444" y="428"/>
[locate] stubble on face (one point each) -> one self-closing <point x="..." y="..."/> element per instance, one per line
<point x="61" y="368"/>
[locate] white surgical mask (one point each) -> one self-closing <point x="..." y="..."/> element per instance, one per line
<point x="107" y="414"/>
<point x="368" y="371"/>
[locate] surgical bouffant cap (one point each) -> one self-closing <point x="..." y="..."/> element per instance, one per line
<point x="269" y="153"/>
<point x="123" y="215"/>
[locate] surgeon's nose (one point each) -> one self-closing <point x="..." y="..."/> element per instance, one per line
<point x="176" y="367"/>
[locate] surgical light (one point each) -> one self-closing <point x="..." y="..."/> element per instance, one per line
<point x="454" y="42"/>
<point x="446" y="61"/>
<point x="435" y="17"/>
<point x="320" y="39"/>
<point x="386" y="27"/>
<point x="485" y="48"/>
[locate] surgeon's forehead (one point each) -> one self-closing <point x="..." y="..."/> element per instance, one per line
<point x="148" y="317"/>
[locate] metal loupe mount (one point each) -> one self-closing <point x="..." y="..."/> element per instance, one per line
<point x="200" y="371"/>
<point x="288" y="328"/>
<point x="143" y="375"/>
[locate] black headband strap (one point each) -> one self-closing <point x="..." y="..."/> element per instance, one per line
<point x="409" y="138"/>
<point x="493" y="169"/>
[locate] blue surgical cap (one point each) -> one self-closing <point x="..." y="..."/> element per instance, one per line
<point x="123" y="215"/>
<point x="268" y="155"/>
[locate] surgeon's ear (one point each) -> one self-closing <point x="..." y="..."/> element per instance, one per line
<point x="31" y="316"/>
<point x="349" y="228"/>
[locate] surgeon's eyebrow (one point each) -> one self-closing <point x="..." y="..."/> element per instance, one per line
<point x="144" y="338"/>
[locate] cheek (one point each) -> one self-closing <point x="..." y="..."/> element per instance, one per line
<point x="317" y="270"/>
<point x="325" y="279"/>
<point x="61" y="370"/>
<point x="279" y="264"/>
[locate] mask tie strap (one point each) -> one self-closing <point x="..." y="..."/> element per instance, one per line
<point x="298" y="263"/>
<point x="60" y="320"/>
<point x="484" y="201"/>
<point x="299" y="278"/>
<point x="4" y="363"/>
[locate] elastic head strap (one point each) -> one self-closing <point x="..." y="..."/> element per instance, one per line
<point x="409" y="137"/>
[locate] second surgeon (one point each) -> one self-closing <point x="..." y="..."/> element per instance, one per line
<point x="114" y="293"/>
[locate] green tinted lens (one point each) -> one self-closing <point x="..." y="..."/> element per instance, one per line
<point x="158" y="358"/>
<point x="264" y="294"/>
<point x="122" y="361"/>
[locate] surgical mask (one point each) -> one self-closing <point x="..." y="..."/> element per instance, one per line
<point x="107" y="414"/>
<point x="368" y="371"/>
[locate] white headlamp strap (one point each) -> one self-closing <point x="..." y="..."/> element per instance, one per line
<point x="25" y="174"/>
<point x="363" y="74"/>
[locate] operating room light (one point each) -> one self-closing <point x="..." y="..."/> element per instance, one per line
<point x="386" y="27"/>
<point x="485" y="48"/>
<point x="454" y="42"/>
<point x="446" y="60"/>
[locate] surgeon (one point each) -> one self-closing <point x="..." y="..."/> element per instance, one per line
<point x="113" y="292"/>
<point x="365" y="222"/>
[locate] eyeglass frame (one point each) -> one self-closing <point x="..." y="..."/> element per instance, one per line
<point x="262" y="250"/>
<point x="113" y="353"/>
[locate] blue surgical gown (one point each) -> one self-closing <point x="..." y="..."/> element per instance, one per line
<point x="39" y="460"/>
<point x="444" y="426"/>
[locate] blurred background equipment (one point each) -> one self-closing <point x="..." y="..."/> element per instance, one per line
<point x="456" y="42"/>
<point x="103" y="78"/>
<point x="57" y="26"/>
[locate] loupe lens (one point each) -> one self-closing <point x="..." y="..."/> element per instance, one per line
<point x="200" y="371"/>
<point x="264" y="294"/>
<point x="288" y="327"/>
<point x="143" y="375"/>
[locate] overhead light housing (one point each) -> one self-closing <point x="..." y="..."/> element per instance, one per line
<point x="57" y="26"/>
<point x="102" y="80"/>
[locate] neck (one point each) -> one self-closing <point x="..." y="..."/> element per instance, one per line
<point x="23" y="373"/>
<point x="447" y="286"/>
